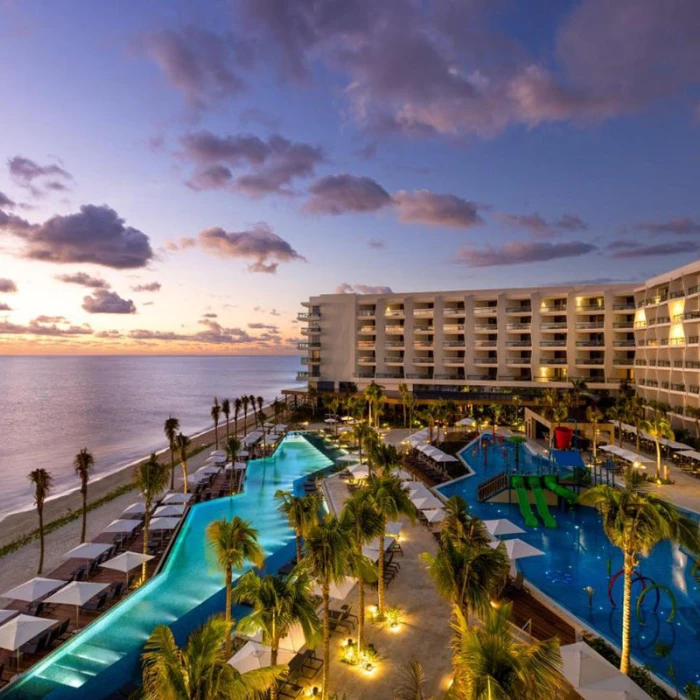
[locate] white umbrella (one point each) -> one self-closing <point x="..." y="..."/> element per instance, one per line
<point x="208" y="470"/>
<point x="87" y="550"/>
<point x="137" y="508"/>
<point x="6" y="615"/>
<point x="502" y="527"/>
<point x="294" y="641"/>
<point x="404" y="475"/>
<point x="77" y="593"/>
<point x="338" y="591"/>
<point x="517" y="548"/>
<point x="218" y="453"/>
<point x="240" y="466"/>
<point x="418" y="490"/>
<point x="348" y="458"/>
<point x="177" y="498"/>
<point x="33" y="589"/>
<point x="362" y="471"/>
<point x="216" y="459"/>
<point x="163" y="524"/>
<point x="330" y="420"/>
<point x="253" y="655"/>
<point x="22" y="629"/>
<point x="427" y="503"/>
<point x="393" y="529"/>
<point x="121" y="526"/>
<point x="196" y="478"/>
<point x="466" y="421"/>
<point x="170" y="510"/>
<point x="436" y="515"/>
<point x="126" y="562"/>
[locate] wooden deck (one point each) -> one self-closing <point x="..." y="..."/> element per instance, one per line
<point x="545" y="623"/>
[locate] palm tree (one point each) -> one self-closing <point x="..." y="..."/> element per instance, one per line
<point x="578" y="388"/>
<point x="635" y="415"/>
<point x="468" y="576"/>
<point x="261" y="413"/>
<point x="200" y="671"/>
<point x="391" y="502"/>
<point x="301" y="513"/>
<point x="328" y="550"/>
<point x="360" y="431"/>
<point x="171" y="428"/>
<point x="549" y="399"/>
<point x="233" y="542"/>
<point x="182" y="442"/>
<point x="374" y="393"/>
<point x="226" y="410"/>
<point x="364" y="523"/>
<point x="279" y="604"/>
<point x="42" y="485"/>
<point x="261" y="418"/>
<point x="84" y="462"/>
<point x="635" y="521"/>
<point x="215" y="413"/>
<point x="594" y="415"/>
<point x="496" y="411"/>
<point x="245" y="401"/>
<point x="658" y="426"/>
<point x="150" y="479"/>
<point x="411" y="681"/>
<point x="459" y="526"/>
<point x="251" y="399"/>
<point x="617" y="414"/>
<point x="371" y="441"/>
<point x="334" y="406"/>
<point x="237" y="405"/>
<point x="403" y="390"/>
<point x="277" y="410"/>
<point x="491" y="663"/>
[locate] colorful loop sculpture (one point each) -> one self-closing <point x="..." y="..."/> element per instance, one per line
<point x="656" y="587"/>
<point x="636" y="577"/>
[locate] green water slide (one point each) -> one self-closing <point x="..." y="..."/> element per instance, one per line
<point x="550" y="482"/>
<point x="518" y="483"/>
<point x="540" y="502"/>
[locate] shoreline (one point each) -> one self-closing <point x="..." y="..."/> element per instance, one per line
<point x="20" y="523"/>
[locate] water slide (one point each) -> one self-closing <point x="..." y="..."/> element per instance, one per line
<point x="518" y="483"/>
<point x="540" y="502"/>
<point x="550" y="482"/>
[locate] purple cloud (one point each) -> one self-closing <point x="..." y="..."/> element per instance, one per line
<point x="4" y="306"/>
<point x="260" y="244"/>
<point x="30" y="175"/>
<point x="150" y="287"/>
<point x="346" y="288"/>
<point x="682" y="226"/>
<point x="263" y="327"/>
<point x="214" y="335"/>
<point x="423" y="207"/>
<point x="104" y="302"/>
<point x="634" y="249"/>
<point x="203" y="65"/>
<point x="6" y="202"/>
<point x="271" y="165"/>
<point x="96" y="234"/>
<point x="39" y="326"/>
<point x="539" y="227"/>
<point x="376" y="243"/>
<point x="517" y="252"/>
<point x="7" y="286"/>
<point x="340" y="194"/>
<point x="85" y="280"/>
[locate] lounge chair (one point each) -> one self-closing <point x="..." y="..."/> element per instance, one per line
<point x="97" y="604"/>
<point x="58" y="632"/>
<point x="35" y="645"/>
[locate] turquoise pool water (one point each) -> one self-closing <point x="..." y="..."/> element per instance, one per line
<point x="578" y="554"/>
<point x="106" y="655"/>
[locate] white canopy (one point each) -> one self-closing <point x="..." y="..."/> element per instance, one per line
<point x="427" y="502"/>
<point x="436" y="515"/>
<point x="517" y="548"/>
<point x="126" y="561"/>
<point x="208" y="470"/>
<point x="122" y="526"/>
<point x="348" y="458"/>
<point x="357" y="467"/>
<point x="218" y="453"/>
<point x="177" y="497"/>
<point x="33" y="589"/>
<point x="240" y="466"/>
<point x="22" y="629"/>
<point x="253" y="655"/>
<point x="77" y="593"/>
<point x="170" y="510"/>
<point x="360" y="471"/>
<point x="418" y="437"/>
<point x="594" y="677"/>
<point x="137" y="508"/>
<point x="691" y="454"/>
<point x="466" y="421"/>
<point x="197" y="478"/>
<point x="418" y="489"/>
<point x="627" y="455"/>
<point x="295" y="640"/>
<point x="393" y="529"/>
<point x="6" y="615"/>
<point x="162" y="523"/>
<point x="215" y="459"/>
<point x="502" y="527"/>
<point x="404" y="475"/>
<point x="338" y="591"/>
<point x="251" y="438"/>
<point x="87" y="550"/>
<point x="664" y="441"/>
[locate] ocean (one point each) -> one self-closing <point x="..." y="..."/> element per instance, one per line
<point x="51" y="407"/>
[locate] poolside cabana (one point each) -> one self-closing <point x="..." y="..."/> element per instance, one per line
<point x="126" y="562"/>
<point x="251" y="439"/>
<point x="163" y="523"/>
<point x="177" y="497"/>
<point x="434" y="515"/>
<point x="501" y="527"/>
<point x="33" y="589"/>
<point x="138" y="508"/>
<point x="21" y="629"/>
<point x="77" y="593"/>
<point x="121" y="526"/>
<point x="634" y="458"/>
<point x="5" y="615"/>
<point x="670" y="444"/>
<point x="517" y="548"/>
<point x="339" y="591"/>
<point x="428" y="502"/>
<point x="88" y="550"/>
<point x="171" y="510"/>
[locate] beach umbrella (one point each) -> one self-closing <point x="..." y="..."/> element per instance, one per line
<point x="436" y="515"/>
<point x="117" y="526"/>
<point x="294" y="641"/>
<point x="502" y="527"/>
<point x="359" y="471"/>
<point x="6" y="615"/>
<point x="218" y="453"/>
<point x="330" y="420"/>
<point x="77" y="593"/>
<point x="240" y="466"/>
<point x="126" y="562"/>
<point x="348" y="458"/>
<point x="466" y="421"/>
<point x="176" y="498"/>
<point x="197" y="478"/>
<point x="163" y="523"/>
<point x="517" y="548"/>
<point x="253" y="655"/>
<point x="338" y="591"/>
<point x="137" y="508"/>
<point x="169" y="511"/>
<point x="33" y="589"/>
<point x="404" y="475"/>
<point x="418" y="490"/>
<point x="393" y="529"/>
<point x="22" y="629"/>
<point x="87" y="550"/>
<point x="428" y="502"/>
<point x="208" y="470"/>
<point x="216" y="459"/>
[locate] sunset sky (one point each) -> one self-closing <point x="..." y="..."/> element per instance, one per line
<point x="175" y="177"/>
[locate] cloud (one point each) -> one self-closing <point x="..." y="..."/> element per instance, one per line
<point x="214" y="335"/>
<point x="7" y="286"/>
<point x="259" y="244"/>
<point x="210" y="315"/>
<point x="6" y="202"/>
<point x="180" y="244"/>
<point x="4" y="306"/>
<point x="41" y="327"/>
<point x="31" y="176"/>
<point x="346" y="288"/>
<point x="113" y="334"/>
<point x="376" y="243"/>
<point x="340" y="194"/>
<point x="85" y="280"/>
<point x="150" y="287"/>
<point x="105" y="302"/>
<point x="51" y="319"/>
<point x="624" y="249"/>
<point x="423" y="207"/>
<point x="274" y="312"/>
<point x="539" y="227"/>
<point x="253" y="115"/>
<point x="681" y="227"/>
<point x="203" y="65"/>
<point x="95" y="234"/>
<point x="517" y="252"/>
<point x="263" y="326"/>
<point x="271" y="165"/>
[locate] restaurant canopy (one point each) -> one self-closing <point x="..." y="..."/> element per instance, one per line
<point x="33" y="589"/>
<point x="117" y="526"/>
<point x="251" y="438"/>
<point x="87" y="550"/>
<point x="627" y="455"/>
<point x="170" y="510"/>
<point x="177" y="498"/>
<point x="22" y="629"/>
<point x="690" y="454"/>
<point x="672" y="444"/>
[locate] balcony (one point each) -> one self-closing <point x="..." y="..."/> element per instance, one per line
<point x="590" y="361"/>
<point x="310" y="316"/>
<point x="394" y="329"/>
<point x="591" y="343"/>
<point x="310" y="360"/>
<point x="450" y="311"/>
<point x="453" y="361"/>
<point x="423" y="361"/>
<point x="589" y="308"/>
<point x="552" y="343"/>
<point x="308" y="344"/>
<point x="422" y="343"/>
<point x="394" y="313"/>
<point x="550" y="361"/>
<point x="485" y="343"/>
<point x="519" y="327"/>
<point x="367" y="313"/>
<point x="519" y="344"/>
<point x="371" y="330"/>
<point x="623" y="324"/>
<point x="624" y="343"/>
<point x="453" y="344"/>
<point x="485" y="310"/>
<point x="364" y="375"/>
<point x="394" y="344"/>
<point x="626" y="306"/>
<point x="453" y="328"/>
<point x="518" y="361"/>
<point x="590" y="325"/>
<point x="556" y="326"/>
<point x="519" y="309"/>
<point x="553" y="309"/>
<point x="423" y="312"/>
<point x="301" y="376"/>
<point x="311" y="330"/>
<point x="393" y="360"/>
<point x="624" y="362"/>
<point x="366" y="344"/>
<point x="424" y="329"/>
<point x="366" y="360"/>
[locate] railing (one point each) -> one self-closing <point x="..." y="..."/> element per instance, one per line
<point x="452" y="327"/>
<point x="693" y="290"/>
<point x="424" y="329"/>
<point x="590" y="324"/>
<point x="553" y="361"/>
<point x="519" y="326"/>
<point x="453" y="344"/>
<point x="624" y="307"/>
<point x="554" y="326"/>
<point x="449" y="311"/>
<point x="592" y="343"/>
<point x="422" y="343"/>
<point x="492" y="486"/>
<point x="589" y="308"/>
<point x="487" y="328"/>
<point x="519" y="344"/>
<point x="394" y="314"/>
<point x="310" y="316"/>
<point x="484" y="309"/>
<point x="302" y="375"/>
<point x="486" y="343"/>
<point x="393" y="360"/>
<point x="590" y="361"/>
<point x="367" y="329"/>
<point x="393" y="329"/>
<point x="367" y="313"/>
<point x="519" y="309"/>
<point x="624" y="343"/>
<point x="553" y="309"/>
<point x="485" y="360"/>
<point x="623" y="324"/>
<point x="515" y="361"/>
<point x="393" y="344"/>
<point x="423" y="312"/>
<point x="677" y="294"/>
<point x="552" y="343"/>
<point x="366" y="343"/>
<point x="305" y="345"/>
<point x="311" y="330"/>
<point x="389" y="375"/>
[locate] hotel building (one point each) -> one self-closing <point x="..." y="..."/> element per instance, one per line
<point x="520" y="340"/>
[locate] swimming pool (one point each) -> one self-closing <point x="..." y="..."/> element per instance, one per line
<point x="578" y="555"/>
<point x="106" y="655"/>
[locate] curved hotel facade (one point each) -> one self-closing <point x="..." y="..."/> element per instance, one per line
<point x="522" y="339"/>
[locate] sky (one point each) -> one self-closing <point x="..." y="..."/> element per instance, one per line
<point x="176" y="177"/>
